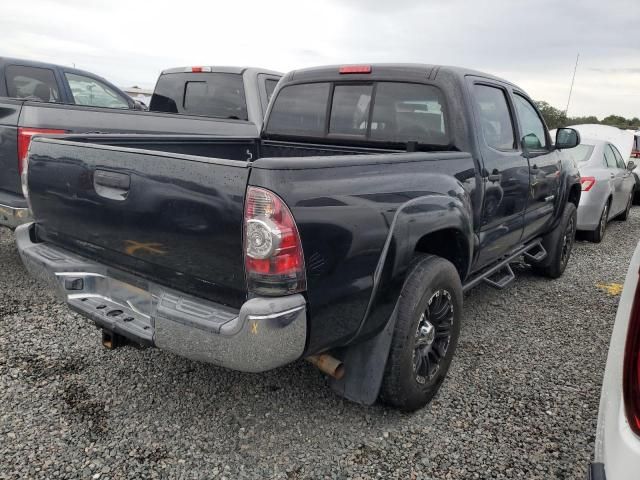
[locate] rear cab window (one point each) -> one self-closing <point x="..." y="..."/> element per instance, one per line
<point x="379" y="111"/>
<point x="32" y="83"/>
<point x="219" y="95"/>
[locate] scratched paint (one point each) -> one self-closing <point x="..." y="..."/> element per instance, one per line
<point x="614" y="289"/>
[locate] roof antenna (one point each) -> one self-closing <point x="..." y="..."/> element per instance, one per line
<point x="571" y="89"/>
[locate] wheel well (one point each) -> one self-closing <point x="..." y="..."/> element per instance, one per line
<point x="449" y="244"/>
<point x="574" y="194"/>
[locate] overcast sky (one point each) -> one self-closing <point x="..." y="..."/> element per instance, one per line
<point x="533" y="43"/>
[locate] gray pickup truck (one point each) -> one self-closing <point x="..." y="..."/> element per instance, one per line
<point x="44" y="98"/>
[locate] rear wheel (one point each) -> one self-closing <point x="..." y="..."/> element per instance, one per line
<point x="559" y="244"/>
<point x="597" y="235"/>
<point x="425" y="336"/>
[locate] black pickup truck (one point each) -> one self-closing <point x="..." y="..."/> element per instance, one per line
<point x="39" y="97"/>
<point x="346" y="234"/>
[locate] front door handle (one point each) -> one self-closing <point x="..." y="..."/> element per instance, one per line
<point x="112" y="185"/>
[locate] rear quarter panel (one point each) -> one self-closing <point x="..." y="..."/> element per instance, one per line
<point x="360" y="218"/>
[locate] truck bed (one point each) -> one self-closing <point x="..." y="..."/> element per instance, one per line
<point x="176" y="218"/>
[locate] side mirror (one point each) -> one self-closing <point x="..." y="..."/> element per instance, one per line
<point x="567" y="138"/>
<point x="631" y="165"/>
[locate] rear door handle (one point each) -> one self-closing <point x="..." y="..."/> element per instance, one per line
<point x="112" y="185"/>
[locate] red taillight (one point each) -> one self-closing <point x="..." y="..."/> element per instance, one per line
<point x="355" y="69"/>
<point x="587" y="183"/>
<point x="631" y="366"/>
<point x="200" y="69"/>
<point x="24" y="140"/>
<point x="274" y="263"/>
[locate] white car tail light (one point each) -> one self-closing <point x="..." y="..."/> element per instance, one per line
<point x="274" y="262"/>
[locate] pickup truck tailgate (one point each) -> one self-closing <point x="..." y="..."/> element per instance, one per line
<point x="171" y="218"/>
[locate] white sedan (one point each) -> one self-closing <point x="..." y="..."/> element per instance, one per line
<point x="617" y="450"/>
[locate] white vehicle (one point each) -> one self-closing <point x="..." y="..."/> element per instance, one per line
<point x="617" y="449"/>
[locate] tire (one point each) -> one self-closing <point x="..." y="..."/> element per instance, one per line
<point x="597" y="235"/>
<point x="559" y="243"/>
<point x="421" y="351"/>
<point x="625" y="214"/>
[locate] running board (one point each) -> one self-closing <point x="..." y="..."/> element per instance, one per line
<point x="507" y="276"/>
<point x="533" y="251"/>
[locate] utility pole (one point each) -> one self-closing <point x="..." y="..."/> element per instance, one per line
<point x="571" y="88"/>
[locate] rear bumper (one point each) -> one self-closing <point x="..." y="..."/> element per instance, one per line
<point x="14" y="210"/>
<point x="263" y="334"/>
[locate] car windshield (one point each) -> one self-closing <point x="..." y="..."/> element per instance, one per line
<point x="581" y="153"/>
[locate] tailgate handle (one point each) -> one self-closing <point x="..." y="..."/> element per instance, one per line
<point x="111" y="185"/>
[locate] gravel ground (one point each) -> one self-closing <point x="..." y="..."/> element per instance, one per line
<point x="521" y="399"/>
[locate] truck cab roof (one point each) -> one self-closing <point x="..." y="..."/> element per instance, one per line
<point x="383" y="71"/>
<point x="219" y="69"/>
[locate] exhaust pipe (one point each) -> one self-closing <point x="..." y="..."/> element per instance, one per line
<point x="327" y="364"/>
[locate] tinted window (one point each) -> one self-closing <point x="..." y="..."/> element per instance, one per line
<point x="609" y="157"/>
<point x="495" y="118"/>
<point x="300" y="110"/>
<point x="91" y="92"/>
<point x="32" y="83"/>
<point x="531" y="127"/>
<point x="218" y="95"/>
<point x="350" y="109"/>
<point x="404" y="112"/>
<point x="270" y="86"/>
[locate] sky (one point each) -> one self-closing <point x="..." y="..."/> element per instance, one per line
<point x="532" y="43"/>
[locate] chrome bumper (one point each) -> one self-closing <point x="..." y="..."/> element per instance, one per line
<point x="264" y="333"/>
<point x="12" y="216"/>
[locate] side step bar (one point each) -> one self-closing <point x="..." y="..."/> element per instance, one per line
<point x="507" y="276"/>
<point x="533" y="251"/>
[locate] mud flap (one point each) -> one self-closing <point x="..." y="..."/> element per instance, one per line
<point x="364" y="367"/>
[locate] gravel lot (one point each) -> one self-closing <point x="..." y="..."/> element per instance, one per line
<point x="520" y="402"/>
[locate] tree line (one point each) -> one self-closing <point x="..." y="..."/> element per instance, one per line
<point x="556" y="118"/>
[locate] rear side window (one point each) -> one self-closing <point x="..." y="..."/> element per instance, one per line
<point x="270" y="86"/>
<point x="495" y="118"/>
<point x="609" y="157"/>
<point x="94" y="93"/>
<point x="32" y="83"/>
<point x="619" y="161"/>
<point x="401" y="112"/>
<point x="300" y="110"/>
<point x="219" y="95"/>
